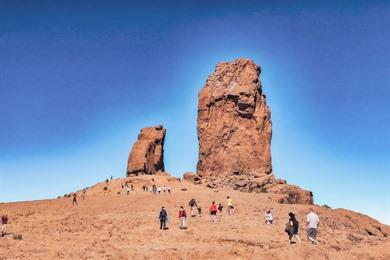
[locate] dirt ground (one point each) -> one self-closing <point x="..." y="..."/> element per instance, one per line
<point x="109" y="224"/>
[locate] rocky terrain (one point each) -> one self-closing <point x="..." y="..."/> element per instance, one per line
<point x="111" y="225"/>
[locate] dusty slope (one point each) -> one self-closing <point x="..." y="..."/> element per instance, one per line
<point x="107" y="225"/>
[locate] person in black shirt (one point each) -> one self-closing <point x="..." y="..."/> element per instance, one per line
<point x="163" y="218"/>
<point x="292" y="228"/>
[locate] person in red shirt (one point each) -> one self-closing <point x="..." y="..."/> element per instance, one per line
<point x="182" y="217"/>
<point x="213" y="212"/>
<point x="4" y="222"/>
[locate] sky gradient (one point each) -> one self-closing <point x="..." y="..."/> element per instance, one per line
<point x="79" y="80"/>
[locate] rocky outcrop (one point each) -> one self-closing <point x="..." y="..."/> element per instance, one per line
<point x="234" y="123"/>
<point x="147" y="153"/>
<point x="234" y="132"/>
<point x="192" y="177"/>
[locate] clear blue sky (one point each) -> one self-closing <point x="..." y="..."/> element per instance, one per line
<point x="78" y="81"/>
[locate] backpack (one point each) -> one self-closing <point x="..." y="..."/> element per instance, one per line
<point x="288" y="227"/>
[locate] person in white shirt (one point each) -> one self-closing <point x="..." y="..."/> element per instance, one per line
<point x="312" y="224"/>
<point x="268" y="217"/>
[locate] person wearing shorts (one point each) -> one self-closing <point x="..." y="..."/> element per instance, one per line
<point x="230" y="205"/>
<point x="312" y="220"/>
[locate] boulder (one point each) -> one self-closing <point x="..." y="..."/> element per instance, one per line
<point x="147" y="153"/>
<point x="291" y="194"/>
<point x="189" y="176"/>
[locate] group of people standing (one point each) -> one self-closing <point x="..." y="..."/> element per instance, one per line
<point x="157" y="189"/>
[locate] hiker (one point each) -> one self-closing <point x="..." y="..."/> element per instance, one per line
<point x="213" y="212"/>
<point x="268" y="217"/>
<point x="164" y="189"/>
<point x="182" y="217"/>
<point x="83" y="193"/>
<point x="292" y="228"/>
<point x="127" y="190"/>
<point x="107" y="181"/>
<point x="154" y="189"/>
<point x="220" y="208"/>
<point x="159" y="189"/>
<point x="192" y="204"/>
<point x="111" y="177"/>
<point x="132" y="187"/>
<point x="4" y="222"/>
<point x="312" y="220"/>
<point x="169" y="190"/>
<point x="230" y="205"/>
<point x="75" y="199"/>
<point x="199" y="211"/>
<point x="163" y="218"/>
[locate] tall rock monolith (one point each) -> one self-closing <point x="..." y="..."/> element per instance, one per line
<point x="235" y="131"/>
<point x="147" y="153"/>
<point x="234" y="122"/>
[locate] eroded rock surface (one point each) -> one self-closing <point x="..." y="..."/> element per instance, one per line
<point x="235" y="131"/>
<point x="234" y="122"/>
<point x="147" y="153"/>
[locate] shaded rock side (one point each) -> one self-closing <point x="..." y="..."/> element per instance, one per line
<point x="234" y="122"/>
<point x="147" y="153"/>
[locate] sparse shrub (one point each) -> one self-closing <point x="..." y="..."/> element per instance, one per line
<point x="326" y="206"/>
<point x="105" y="188"/>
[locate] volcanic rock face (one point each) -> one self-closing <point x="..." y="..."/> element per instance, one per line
<point x="234" y="123"/>
<point x="147" y="154"/>
<point x="235" y="130"/>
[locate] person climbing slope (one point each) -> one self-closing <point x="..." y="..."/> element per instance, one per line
<point x="163" y="218"/>
<point x="213" y="212"/>
<point x="230" y="205"/>
<point x="292" y="228"/>
<point x="192" y="204"/>
<point x="182" y="218"/>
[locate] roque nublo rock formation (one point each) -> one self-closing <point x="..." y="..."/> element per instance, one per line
<point x="234" y="122"/>
<point x="235" y="131"/>
<point x="147" y="153"/>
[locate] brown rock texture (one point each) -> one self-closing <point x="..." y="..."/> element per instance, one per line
<point x="192" y="177"/>
<point x="147" y="153"/>
<point x="234" y="122"/>
<point x="235" y="131"/>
